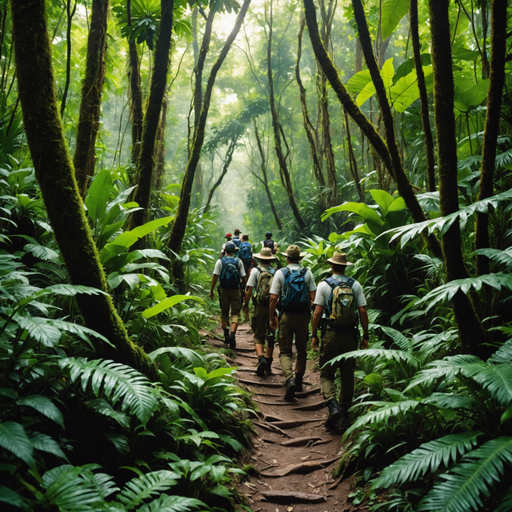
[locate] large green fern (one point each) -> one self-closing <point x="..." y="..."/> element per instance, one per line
<point x="116" y="381"/>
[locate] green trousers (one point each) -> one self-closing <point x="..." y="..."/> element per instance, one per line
<point x="260" y="323"/>
<point x="291" y="324"/>
<point x="335" y="343"/>
<point x="229" y="300"/>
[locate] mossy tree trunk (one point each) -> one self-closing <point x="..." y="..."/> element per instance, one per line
<point x="143" y="177"/>
<point x="227" y="162"/>
<point x="92" y="87"/>
<point x="492" y="123"/>
<point x="396" y="171"/>
<point x="55" y="174"/>
<point x="158" y="175"/>
<point x="278" y="131"/>
<point x="429" y="140"/>
<point x="471" y="333"/>
<point x="180" y="222"/>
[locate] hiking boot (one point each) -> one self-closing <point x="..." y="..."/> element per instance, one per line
<point x="232" y="340"/>
<point x="298" y="383"/>
<point x="290" y="390"/>
<point x="268" y="365"/>
<point x="226" y="336"/>
<point x="260" y="370"/>
<point x="344" y="421"/>
<point x="334" y="414"/>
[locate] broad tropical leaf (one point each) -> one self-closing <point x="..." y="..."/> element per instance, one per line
<point x="501" y="257"/>
<point x="378" y="353"/>
<point x="474" y="476"/>
<point x="117" y="382"/>
<point x="392" y="12"/>
<point x="98" y="195"/>
<point x="11" y="498"/>
<point x="14" y="439"/>
<point x="403" y="342"/>
<point x="45" y="406"/>
<point x="427" y="459"/>
<point x="503" y="354"/>
<point x="45" y="443"/>
<point x="43" y="333"/>
<point x="42" y="252"/>
<point x="172" y="504"/>
<point x="359" y="81"/>
<point x="383" y="199"/>
<point x="168" y="303"/>
<point x="191" y="356"/>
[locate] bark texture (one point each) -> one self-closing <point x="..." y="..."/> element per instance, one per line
<point x="180" y="222"/>
<point x="227" y="162"/>
<point x="160" y="149"/>
<point x="470" y="329"/>
<point x="492" y="123"/>
<point x="429" y="140"/>
<point x="143" y="177"/>
<point x="92" y="88"/>
<point x="55" y="174"/>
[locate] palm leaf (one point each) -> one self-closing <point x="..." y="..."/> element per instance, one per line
<point x="101" y="406"/>
<point x="503" y="354"/>
<point x="506" y="503"/>
<point x="45" y="443"/>
<point x="191" y="356"/>
<point x="116" y="381"/>
<point x="378" y="353"/>
<point x="42" y="252"/>
<point x="495" y="378"/>
<point x="43" y="333"/>
<point x="143" y="487"/>
<point x="71" y="290"/>
<point x="427" y="458"/>
<point x="15" y="440"/>
<point x="501" y="257"/>
<point x="474" y="476"/>
<point x="79" y="330"/>
<point x="45" y="406"/>
<point x="403" y="342"/>
<point x="172" y="504"/>
<point x="11" y="498"/>
<point x="450" y="401"/>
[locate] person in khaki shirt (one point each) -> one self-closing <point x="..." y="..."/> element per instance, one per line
<point x="337" y="341"/>
<point x="293" y="319"/>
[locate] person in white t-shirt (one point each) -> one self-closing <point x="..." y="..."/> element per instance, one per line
<point x="338" y="340"/>
<point x="259" y="290"/>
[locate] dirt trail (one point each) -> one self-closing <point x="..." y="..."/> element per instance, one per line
<point x="293" y="452"/>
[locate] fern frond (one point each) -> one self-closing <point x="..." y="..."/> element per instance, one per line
<point x="506" y="502"/>
<point x="495" y="378"/>
<point x="473" y="477"/>
<point x="501" y="257"/>
<point x="403" y="342"/>
<point x="427" y="458"/>
<point x="117" y="382"/>
<point x="145" y="486"/>
<point x="450" y="401"/>
<point x="503" y="354"/>
<point x="172" y="504"/>
<point x="378" y="353"/>
<point x="190" y="356"/>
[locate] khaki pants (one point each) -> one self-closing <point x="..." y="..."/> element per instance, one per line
<point x="260" y="324"/>
<point x="229" y="299"/>
<point x="293" y="324"/>
<point x="335" y="343"/>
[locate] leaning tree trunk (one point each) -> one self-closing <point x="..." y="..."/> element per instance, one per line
<point x="492" y="123"/>
<point x="180" y="222"/>
<point x="429" y="140"/>
<point x="143" y="177"/>
<point x="225" y="167"/>
<point x="471" y="331"/>
<point x="92" y="88"/>
<point x="276" y="125"/>
<point x="55" y="174"/>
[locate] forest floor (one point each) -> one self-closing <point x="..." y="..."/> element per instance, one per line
<point x="292" y="451"/>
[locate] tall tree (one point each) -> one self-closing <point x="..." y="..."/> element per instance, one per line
<point x="143" y="177"/>
<point x="55" y="174"/>
<point x="92" y="87"/>
<point x="471" y="333"/>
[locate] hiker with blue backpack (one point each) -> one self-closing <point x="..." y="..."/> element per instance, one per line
<point x="258" y="287"/>
<point x="295" y="288"/>
<point x="338" y="300"/>
<point x="229" y="238"/>
<point x="230" y="273"/>
<point x="236" y="238"/>
<point x="245" y="253"/>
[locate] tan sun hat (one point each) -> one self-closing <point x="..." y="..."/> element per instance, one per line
<point x="293" y="251"/>
<point x="339" y="258"/>
<point x="265" y="254"/>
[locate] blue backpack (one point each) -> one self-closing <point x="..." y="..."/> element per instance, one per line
<point x="230" y="274"/>
<point x="245" y="251"/>
<point x="294" y="296"/>
<point x="236" y="241"/>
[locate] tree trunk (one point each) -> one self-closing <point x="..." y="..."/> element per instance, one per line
<point x="136" y="112"/>
<point x="308" y="126"/>
<point x="70" y="13"/>
<point x="470" y="329"/>
<point x="276" y="125"/>
<point x="180" y="222"/>
<point x="92" y="87"/>
<point x="160" y="149"/>
<point x="429" y="141"/>
<point x="352" y="160"/>
<point x="144" y="171"/>
<point x="492" y="124"/>
<point x="265" y="179"/>
<point x="55" y="174"/>
<point x="225" y="167"/>
<point x="403" y="184"/>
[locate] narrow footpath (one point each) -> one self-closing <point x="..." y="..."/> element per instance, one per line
<point x="292" y="451"/>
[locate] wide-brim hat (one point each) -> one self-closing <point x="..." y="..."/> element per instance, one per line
<point x="339" y="258"/>
<point x="228" y="235"/>
<point x="265" y="254"/>
<point x="293" y="251"/>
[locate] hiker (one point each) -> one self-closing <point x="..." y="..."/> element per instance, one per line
<point x="258" y="285"/>
<point x="245" y="253"/>
<point x="337" y="299"/>
<point x="268" y="242"/>
<point x="228" y="237"/>
<point x="229" y="271"/>
<point x="295" y="287"/>
<point x="236" y="238"/>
